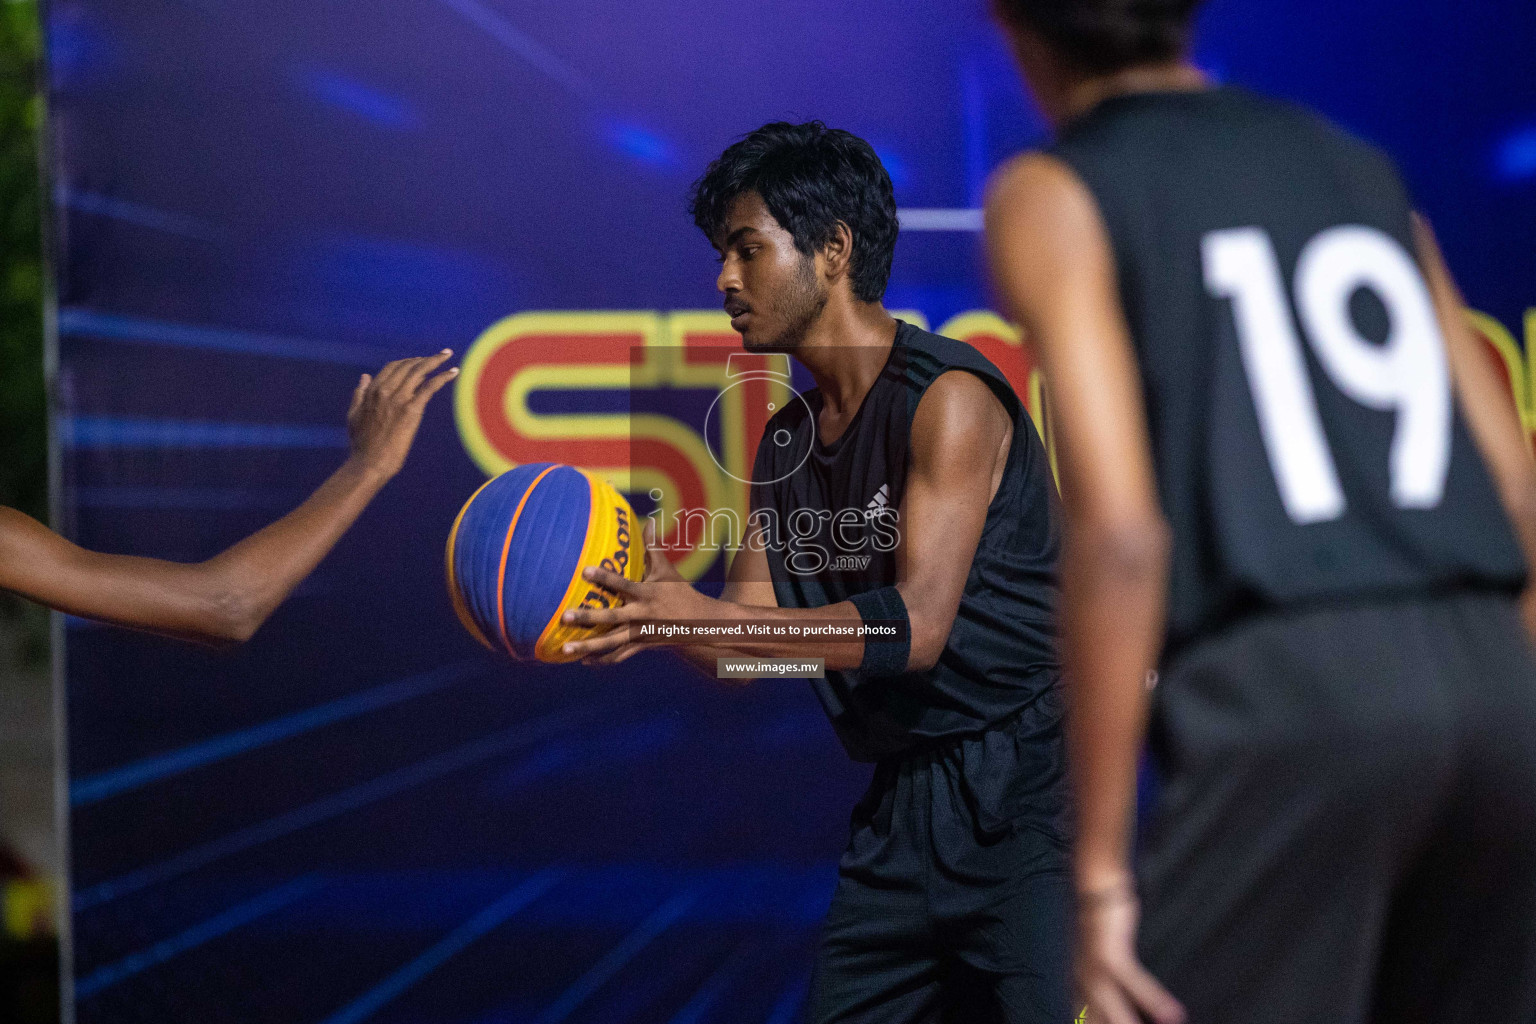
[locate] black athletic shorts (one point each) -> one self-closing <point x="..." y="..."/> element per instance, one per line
<point x="953" y="896"/>
<point x="1346" y="829"/>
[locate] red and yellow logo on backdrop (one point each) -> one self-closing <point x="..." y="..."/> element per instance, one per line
<point x="514" y="367"/>
<point x="507" y="416"/>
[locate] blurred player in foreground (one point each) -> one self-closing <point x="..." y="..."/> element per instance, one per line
<point x="909" y="486"/>
<point x="226" y="599"/>
<point x="1290" y="475"/>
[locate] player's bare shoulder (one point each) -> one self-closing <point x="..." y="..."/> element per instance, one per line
<point x="1032" y="189"/>
<point x="961" y="421"/>
<point x="1043" y="233"/>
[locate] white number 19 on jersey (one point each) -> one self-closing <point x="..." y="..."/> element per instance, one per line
<point x="1407" y="374"/>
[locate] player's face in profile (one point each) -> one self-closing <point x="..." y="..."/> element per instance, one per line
<point x="772" y="290"/>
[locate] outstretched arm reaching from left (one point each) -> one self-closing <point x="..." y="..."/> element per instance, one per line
<point x="226" y="599"/>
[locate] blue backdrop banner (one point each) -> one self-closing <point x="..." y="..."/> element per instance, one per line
<point x="361" y="815"/>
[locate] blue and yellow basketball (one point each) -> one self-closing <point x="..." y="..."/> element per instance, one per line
<point x="518" y="547"/>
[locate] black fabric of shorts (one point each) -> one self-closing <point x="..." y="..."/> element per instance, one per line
<point x="953" y="900"/>
<point x="1346" y="826"/>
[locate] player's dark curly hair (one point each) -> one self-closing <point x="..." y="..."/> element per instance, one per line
<point x="1106" y="35"/>
<point x="810" y="177"/>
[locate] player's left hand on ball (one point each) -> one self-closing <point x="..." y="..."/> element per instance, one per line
<point x="386" y="410"/>
<point x="663" y="594"/>
<point x="658" y="567"/>
<point x="1110" y="978"/>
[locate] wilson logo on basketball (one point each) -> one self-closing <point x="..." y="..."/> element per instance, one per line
<point x="617" y="562"/>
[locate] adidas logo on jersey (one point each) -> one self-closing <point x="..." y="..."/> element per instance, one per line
<point x="880" y="504"/>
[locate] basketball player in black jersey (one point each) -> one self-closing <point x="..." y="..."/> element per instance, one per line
<point x="915" y="457"/>
<point x="1290" y="479"/>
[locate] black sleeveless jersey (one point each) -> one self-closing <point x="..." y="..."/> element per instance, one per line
<point x="832" y="526"/>
<point x="1307" y="444"/>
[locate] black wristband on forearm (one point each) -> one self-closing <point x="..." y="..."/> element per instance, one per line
<point x="884" y="657"/>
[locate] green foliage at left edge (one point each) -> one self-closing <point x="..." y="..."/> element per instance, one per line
<point x="23" y="410"/>
<point x="23" y="407"/>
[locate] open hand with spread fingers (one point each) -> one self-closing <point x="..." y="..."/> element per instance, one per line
<point x="226" y="598"/>
<point x="386" y="409"/>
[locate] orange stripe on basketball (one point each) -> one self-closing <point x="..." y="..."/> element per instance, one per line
<point x="460" y="608"/>
<point x="501" y="573"/>
<point x="571" y="588"/>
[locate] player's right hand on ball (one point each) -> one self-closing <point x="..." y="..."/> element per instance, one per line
<point x="386" y="410"/>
